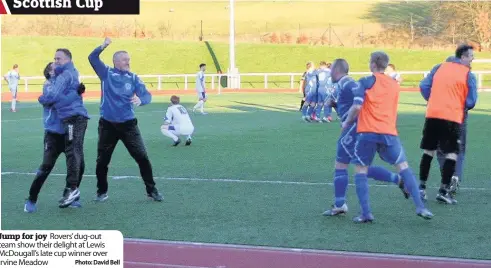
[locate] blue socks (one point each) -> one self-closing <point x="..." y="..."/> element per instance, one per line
<point x="379" y="173"/>
<point x="361" y="182"/>
<point x="310" y="111"/>
<point x="459" y="168"/>
<point x="304" y="110"/>
<point x="318" y="110"/>
<point x="412" y="186"/>
<point x="340" y="186"/>
<point x="327" y="111"/>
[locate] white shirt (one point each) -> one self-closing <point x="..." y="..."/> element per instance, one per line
<point x="395" y="76"/>
<point x="13" y="78"/>
<point x="177" y="115"/>
<point x="200" y="82"/>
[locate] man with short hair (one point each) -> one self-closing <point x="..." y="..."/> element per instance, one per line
<point x="459" y="167"/>
<point x="177" y="122"/>
<point x="450" y="90"/>
<point x="12" y="78"/>
<point x="121" y="92"/>
<point x="75" y="118"/>
<point x="391" y="71"/>
<point x="200" y="89"/>
<point x="346" y="142"/>
<point x="54" y="143"/>
<point x="375" y="104"/>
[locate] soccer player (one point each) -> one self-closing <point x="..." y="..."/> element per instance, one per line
<point x="346" y="142"/>
<point x="391" y="71"/>
<point x="121" y="92"/>
<point x="54" y="143"/>
<point x="310" y="92"/>
<point x="450" y="89"/>
<point x="325" y="88"/>
<point x="459" y="167"/>
<point x="74" y="116"/>
<point x="177" y="122"/>
<point x="302" y="86"/>
<point x="200" y="89"/>
<point x="375" y="103"/>
<point x="12" y="78"/>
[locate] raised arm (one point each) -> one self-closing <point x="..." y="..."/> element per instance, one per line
<point x="471" y="99"/>
<point x="427" y="82"/>
<point x="142" y="92"/>
<point x="95" y="61"/>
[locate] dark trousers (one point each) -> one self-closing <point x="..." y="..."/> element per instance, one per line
<point x="54" y="145"/>
<point x="459" y="168"/>
<point x="129" y="133"/>
<point x="75" y="128"/>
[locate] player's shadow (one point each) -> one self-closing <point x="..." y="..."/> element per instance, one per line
<point x="264" y="107"/>
<point x="424" y="105"/>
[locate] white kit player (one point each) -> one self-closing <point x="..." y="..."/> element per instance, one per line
<point x="12" y="78"/>
<point x="177" y="122"/>
<point x="200" y="89"/>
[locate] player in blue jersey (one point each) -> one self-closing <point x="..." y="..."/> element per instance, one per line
<point x="324" y="90"/>
<point x="459" y="168"/>
<point x="54" y="142"/>
<point x="122" y="91"/>
<point x="343" y="99"/>
<point x="374" y="110"/>
<point x="74" y="116"/>
<point x="310" y="85"/>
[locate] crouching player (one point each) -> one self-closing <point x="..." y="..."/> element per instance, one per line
<point x="346" y="142"/>
<point x="177" y="122"/>
<point x="375" y="100"/>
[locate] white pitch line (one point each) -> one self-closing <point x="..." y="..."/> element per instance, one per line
<point x="231" y="180"/>
<point x="92" y="116"/>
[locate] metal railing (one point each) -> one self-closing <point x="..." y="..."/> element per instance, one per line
<point x="219" y="81"/>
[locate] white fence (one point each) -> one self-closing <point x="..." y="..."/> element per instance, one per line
<point x="215" y="79"/>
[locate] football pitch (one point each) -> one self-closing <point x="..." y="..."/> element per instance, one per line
<point x="255" y="175"/>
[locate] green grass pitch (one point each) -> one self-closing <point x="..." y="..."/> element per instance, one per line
<point x="255" y="174"/>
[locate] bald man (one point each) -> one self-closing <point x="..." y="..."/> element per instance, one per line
<point x="122" y="91"/>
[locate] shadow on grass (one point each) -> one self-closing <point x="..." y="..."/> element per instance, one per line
<point x="223" y="79"/>
<point x="424" y="105"/>
<point x="400" y="14"/>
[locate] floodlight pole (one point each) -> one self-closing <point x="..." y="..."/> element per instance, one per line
<point x="232" y="71"/>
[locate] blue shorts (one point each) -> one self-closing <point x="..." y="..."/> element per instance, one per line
<point x="346" y="145"/>
<point x="321" y="97"/>
<point x="311" y="97"/>
<point x="388" y="147"/>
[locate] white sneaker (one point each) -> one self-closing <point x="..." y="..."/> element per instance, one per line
<point x="334" y="211"/>
<point x="454" y="185"/>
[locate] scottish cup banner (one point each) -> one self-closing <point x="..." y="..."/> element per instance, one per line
<point x="70" y="7"/>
